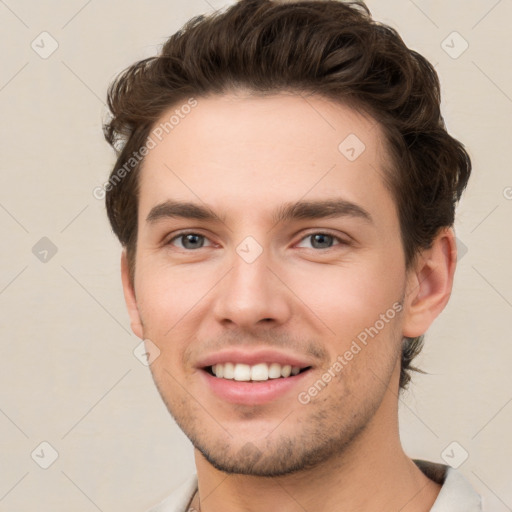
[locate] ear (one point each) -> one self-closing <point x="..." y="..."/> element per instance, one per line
<point x="129" y="297"/>
<point x="429" y="284"/>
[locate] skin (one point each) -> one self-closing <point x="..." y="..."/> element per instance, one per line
<point x="244" y="156"/>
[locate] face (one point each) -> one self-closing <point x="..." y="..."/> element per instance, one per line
<point x="265" y="247"/>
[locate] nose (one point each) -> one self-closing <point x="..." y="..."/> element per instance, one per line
<point x="252" y="294"/>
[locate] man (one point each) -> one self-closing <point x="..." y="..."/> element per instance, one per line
<point x="284" y="194"/>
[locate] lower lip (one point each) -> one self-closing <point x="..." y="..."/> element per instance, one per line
<point x="254" y="392"/>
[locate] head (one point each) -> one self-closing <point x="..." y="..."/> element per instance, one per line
<point x="235" y="133"/>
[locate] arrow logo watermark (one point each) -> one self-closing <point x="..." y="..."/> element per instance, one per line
<point x="44" y="455"/>
<point x="249" y="249"/>
<point x="44" y="250"/>
<point x="351" y="147"/>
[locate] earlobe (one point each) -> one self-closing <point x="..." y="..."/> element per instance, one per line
<point x="129" y="297"/>
<point x="429" y="284"/>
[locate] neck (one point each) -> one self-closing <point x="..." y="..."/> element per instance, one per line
<point x="373" y="473"/>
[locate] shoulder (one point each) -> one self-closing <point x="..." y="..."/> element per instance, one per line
<point x="457" y="494"/>
<point x="179" y="499"/>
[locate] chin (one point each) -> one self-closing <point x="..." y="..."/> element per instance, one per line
<point x="283" y="456"/>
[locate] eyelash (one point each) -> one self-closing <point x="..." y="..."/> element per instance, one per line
<point x="341" y="242"/>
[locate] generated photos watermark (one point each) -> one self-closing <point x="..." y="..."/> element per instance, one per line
<point x="156" y="136"/>
<point x="342" y="360"/>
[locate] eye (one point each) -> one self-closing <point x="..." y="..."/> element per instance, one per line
<point x="322" y="240"/>
<point x="189" y="241"/>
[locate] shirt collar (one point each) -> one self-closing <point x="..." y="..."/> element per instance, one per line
<point x="457" y="494"/>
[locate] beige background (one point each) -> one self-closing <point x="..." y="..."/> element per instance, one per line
<point x="68" y="375"/>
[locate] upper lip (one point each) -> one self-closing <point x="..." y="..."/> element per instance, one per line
<point x="252" y="357"/>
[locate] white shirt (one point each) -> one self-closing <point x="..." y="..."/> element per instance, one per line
<point x="456" y="493"/>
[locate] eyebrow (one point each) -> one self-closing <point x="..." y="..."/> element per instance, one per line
<point x="180" y="209"/>
<point x="300" y="210"/>
<point x="320" y="210"/>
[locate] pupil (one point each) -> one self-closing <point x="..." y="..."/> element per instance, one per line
<point x="191" y="241"/>
<point x="322" y="239"/>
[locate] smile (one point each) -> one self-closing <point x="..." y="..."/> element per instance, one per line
<point x="257" y="372"/>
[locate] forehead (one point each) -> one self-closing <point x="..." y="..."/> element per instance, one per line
<point x="258" y="151"/>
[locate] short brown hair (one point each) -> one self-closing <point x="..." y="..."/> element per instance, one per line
<point x="329" y="48"/>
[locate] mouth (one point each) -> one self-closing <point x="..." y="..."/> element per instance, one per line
<point x="260" y="372"/>
<point x="261" y="375"/>
<point x="254" y="384"/>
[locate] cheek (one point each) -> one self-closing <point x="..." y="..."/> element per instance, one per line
<point x="166" y="305"/>
<point x="350" y="297"/>
<point x="168" y="295"/>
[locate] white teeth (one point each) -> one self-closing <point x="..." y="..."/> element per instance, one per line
<point x="274" y="371"/>
<point x="242" y="372"/>
<point x="229" y="370"/>
<point x="257" y="372"/>
<point x="286" y="370"/>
